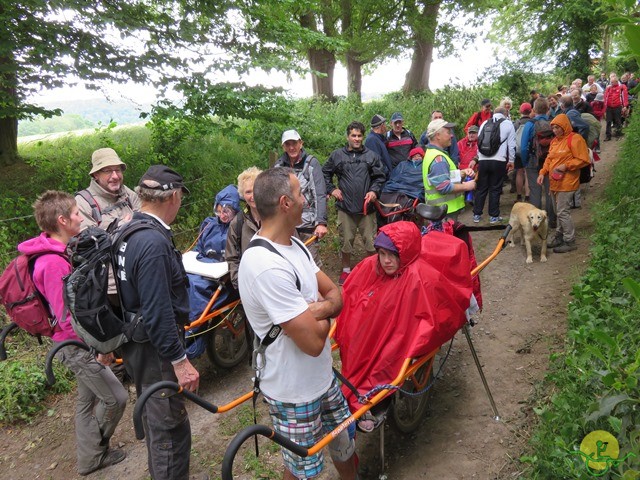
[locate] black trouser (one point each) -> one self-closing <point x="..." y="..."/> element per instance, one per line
<point x="490" y="175"/>
<point x="166" y="424"/>
<point x="614" y="116"/>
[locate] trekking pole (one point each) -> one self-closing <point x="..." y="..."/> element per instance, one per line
<point x="467" y="334"/>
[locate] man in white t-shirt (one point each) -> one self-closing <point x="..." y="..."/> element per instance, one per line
<point x="280" y="284"/>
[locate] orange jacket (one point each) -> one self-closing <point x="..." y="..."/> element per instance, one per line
<point x="574" y="157"/>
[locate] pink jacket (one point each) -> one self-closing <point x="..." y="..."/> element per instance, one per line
<point x="48" y="271"/>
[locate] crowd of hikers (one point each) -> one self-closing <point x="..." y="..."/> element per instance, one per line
<point x="267" y="228"/>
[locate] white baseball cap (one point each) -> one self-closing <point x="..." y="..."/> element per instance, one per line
<point x="290" y="135"/>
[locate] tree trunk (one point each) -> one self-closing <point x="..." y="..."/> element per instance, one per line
<point x="322" y="61"/>
<point x="606" y="47"/>
<point x="8" y="121"/>
<point x="354" y="77"/>
<point x="8" y="141"/>
<point x="417" y="78"/>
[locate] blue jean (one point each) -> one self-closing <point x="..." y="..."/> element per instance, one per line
<point x="490" y="178"/>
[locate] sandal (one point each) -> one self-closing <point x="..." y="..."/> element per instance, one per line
<point x="369" y="422"/>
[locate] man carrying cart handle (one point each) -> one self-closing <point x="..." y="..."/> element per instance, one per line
<point x="281" y="285"/>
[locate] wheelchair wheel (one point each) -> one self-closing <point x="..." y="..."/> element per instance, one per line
<point x="227" y="348"/>
<point x="408" y="410"/>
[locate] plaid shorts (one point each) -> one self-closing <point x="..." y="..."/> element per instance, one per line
<point x="306" y="423"/>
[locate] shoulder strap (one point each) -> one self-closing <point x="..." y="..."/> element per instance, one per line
<point x="96" y="213"/>
<point x="298" y="242"/>
<point x="238" y="229"/>
<point x="260" y="242"/>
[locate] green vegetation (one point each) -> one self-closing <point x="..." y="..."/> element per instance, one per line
<point x="593" y="384"/>
<point x="22" y="380"/>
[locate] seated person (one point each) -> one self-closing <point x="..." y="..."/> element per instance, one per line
<point x="404" y="185"/>
<point x="211" y="244"/>
<point x="406" y="301"/>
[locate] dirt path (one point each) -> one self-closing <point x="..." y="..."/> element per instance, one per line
<point x="524" y="319"/>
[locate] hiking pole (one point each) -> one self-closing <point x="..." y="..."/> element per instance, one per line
<point x="496" y="416"/>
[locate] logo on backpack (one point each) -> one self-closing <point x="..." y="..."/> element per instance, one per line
<point x="100" y="324"/>
<point x="25" y="305"/>
<point x="489" y="138"/>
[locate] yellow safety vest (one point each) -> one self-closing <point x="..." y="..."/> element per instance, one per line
<point x="455" y="201"/>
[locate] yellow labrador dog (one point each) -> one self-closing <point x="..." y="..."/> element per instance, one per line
<point x="531" y="223"/>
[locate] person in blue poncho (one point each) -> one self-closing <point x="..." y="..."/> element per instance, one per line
<point x="210" y="246"/>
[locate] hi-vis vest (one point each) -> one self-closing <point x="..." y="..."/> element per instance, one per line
<point x="455" y="201"/>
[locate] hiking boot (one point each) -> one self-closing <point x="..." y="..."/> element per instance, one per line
<point x="526" y="199"/>
<point x="477" y="218"/>
<point x="607" y="139"/>
<point x="566" y="247"/>
<point x="494" y="220"/>
<point x="343" y="277"/>
<point x="518" y="198"/>
<point x="111" y="457"/>
<point x="555" y="242"/>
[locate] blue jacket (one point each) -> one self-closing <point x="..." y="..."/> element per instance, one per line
<point x="375" y="142"/>
<point x="527" y="138"/>
<point x="578" y="124"/>
<point x="406" y="178"/>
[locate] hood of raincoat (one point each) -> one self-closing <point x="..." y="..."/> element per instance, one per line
<point x="407" y="240"/>
<point x="563" y="122"/>
<point x="228" y="196"/>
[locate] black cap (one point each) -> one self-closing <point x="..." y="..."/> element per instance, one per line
<point x="161" y="177"/>
<point x="485" y="101"/>
<point x="377" y="120"/>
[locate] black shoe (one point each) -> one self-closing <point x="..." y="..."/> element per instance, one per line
<point x="557" y="241"/>
<point x="607" y="139"/>
<point x="111" y="457"/>
<point x="566" y="247"/>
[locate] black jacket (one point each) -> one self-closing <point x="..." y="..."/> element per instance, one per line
<point x="153" y="282"/>
<point x="358" y="172"/>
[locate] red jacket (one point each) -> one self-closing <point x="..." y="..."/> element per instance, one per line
<point x="616" y="96"/>
<point x="468" y="150"/>
<point x="478" y="119"/>
<point x="386" y="319"/>
<point x="598" y="109"/>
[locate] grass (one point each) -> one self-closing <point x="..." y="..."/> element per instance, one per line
<point x="593" y="384"/>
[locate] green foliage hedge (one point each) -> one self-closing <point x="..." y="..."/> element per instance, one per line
<point x="594" y="382"/>
<point x="23" y="387"/>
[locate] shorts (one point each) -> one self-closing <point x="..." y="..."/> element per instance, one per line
<point x="348" y="226"/>
<point x="305" y="424"/>
<point x="517" y="164"/>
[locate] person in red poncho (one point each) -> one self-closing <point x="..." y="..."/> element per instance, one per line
<point x="406" y="301"/>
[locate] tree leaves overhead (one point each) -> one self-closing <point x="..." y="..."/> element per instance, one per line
<point x="567" y="34"/>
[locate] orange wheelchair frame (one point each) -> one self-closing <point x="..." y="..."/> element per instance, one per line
<point x="415" y="374"/>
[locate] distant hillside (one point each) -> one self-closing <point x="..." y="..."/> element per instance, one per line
<point x="79" y="114"/>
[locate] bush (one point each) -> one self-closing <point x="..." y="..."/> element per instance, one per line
<point x="23" y="386"/>
<point x="596" y="377"/>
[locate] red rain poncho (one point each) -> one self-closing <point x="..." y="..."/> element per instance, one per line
<point x="386" y="319"/>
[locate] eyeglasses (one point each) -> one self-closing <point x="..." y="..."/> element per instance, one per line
<point x="224" y="211"/>
<point x="110" y="171"/>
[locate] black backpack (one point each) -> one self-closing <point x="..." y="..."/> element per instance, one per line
<point x="489" y="138"/>
<point x="101" y="325"/>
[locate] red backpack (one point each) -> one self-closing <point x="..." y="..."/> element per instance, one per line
<point x="25" y="305"/>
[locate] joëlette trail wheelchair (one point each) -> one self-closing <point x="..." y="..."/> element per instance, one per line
<point x="409" y="390"/>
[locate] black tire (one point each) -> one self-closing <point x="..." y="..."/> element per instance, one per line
<point x="407" y="410"/>
<point x="223" y="347"/>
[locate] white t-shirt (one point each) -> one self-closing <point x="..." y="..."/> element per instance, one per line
<point x="269" y="296"/>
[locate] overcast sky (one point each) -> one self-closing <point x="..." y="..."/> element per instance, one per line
<point x="387" y="78"/>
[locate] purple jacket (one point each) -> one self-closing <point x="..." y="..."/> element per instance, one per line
<point x="48" y="271"/>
